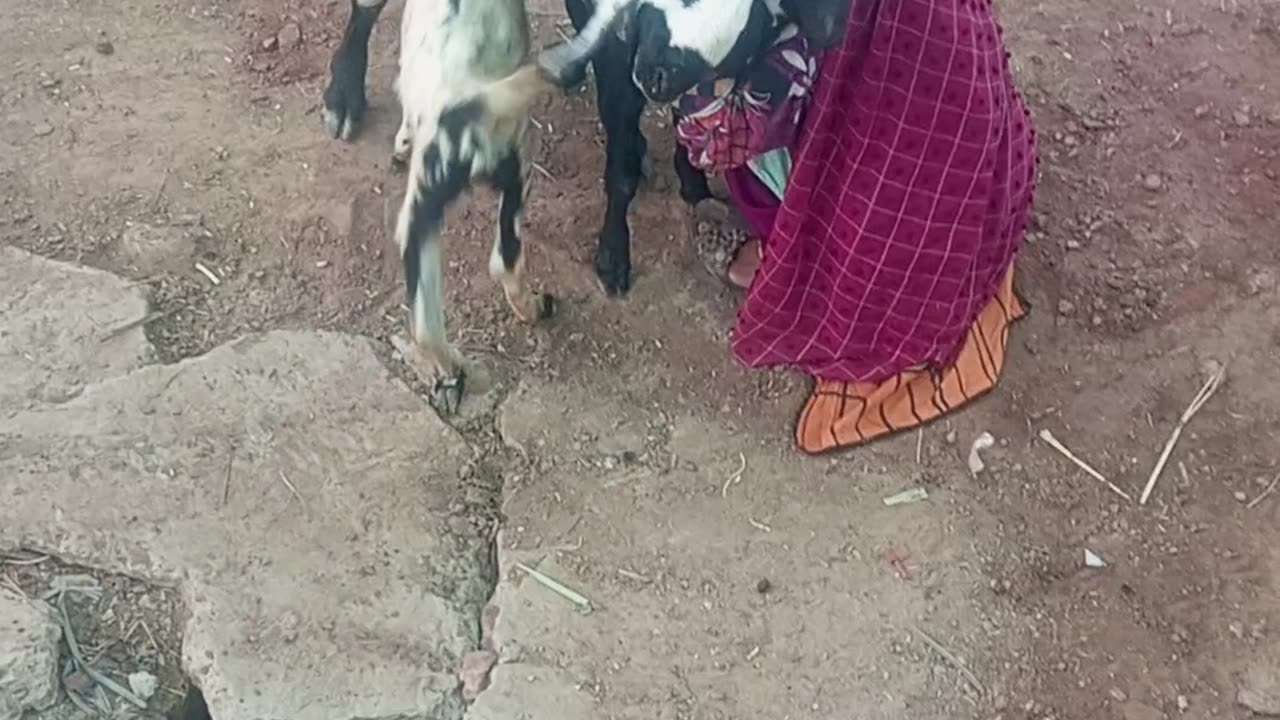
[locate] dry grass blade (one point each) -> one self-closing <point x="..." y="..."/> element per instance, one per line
<point x="1052" y="442"/>
<point x="77" y="655"/>
<point x="1264" y="494"/>
<point x="557" y="587"/>
<point x="951" y="659"/>
<point x="285" y="479"/>
<point x="1206" y="391"/>
<point x="126" y="327"/>
<point x="736" y="477"/>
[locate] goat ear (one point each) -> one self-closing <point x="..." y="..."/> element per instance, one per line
<point x="820" y="21"/>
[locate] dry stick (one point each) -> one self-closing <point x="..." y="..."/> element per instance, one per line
<point x="919" y="444"/>
<point x="1206" y="391"/>
<point x="1263" y="495"/>
<point x="955" y="662"/>
<point x="1048" y="437"/>
<point x="205" y="271"/>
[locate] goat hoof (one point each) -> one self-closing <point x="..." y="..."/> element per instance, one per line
<point x="546" y="306"/>
<point x="615" y="277"/>
<point x="399" y="163"/>
<point x="446" y="394"/>
<point x="344" y="101"/>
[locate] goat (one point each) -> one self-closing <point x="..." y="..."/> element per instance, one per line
<point x="659" y="51"/>
<point x="464" y="87"/>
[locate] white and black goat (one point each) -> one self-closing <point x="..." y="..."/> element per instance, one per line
<point x="464" y="86"/>
<point x="659" y="50"/>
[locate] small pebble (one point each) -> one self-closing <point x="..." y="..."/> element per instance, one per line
<point x="290" y="35"/>
<point x="1240" y="496"/>
<point x="104" y="47"/>
<point x="1066" y="307"/>
<point x="764" y="586"/>
<point x="1152" y="182"/>
<point x="42" y="129"/>
<point x="1241" y="118"/>
<point x="143" y="684"/>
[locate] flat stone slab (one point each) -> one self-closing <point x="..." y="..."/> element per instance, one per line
<point x="28" y="656"/>
<point x="296" y="492"/>
<point x="62" y="327"/>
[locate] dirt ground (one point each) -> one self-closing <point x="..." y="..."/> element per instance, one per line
<point x="147" y="136"/>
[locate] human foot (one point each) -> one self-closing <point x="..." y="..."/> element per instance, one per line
<point x="724" y="244"/>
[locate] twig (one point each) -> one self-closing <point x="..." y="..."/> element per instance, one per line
<point x="1048" y="437"/>
<point x="955" y="662"/>
<point x="213" y="278"/>
<point x="736" y="477"/>
<point x="226" y="484"/>
<point x="634" y="576"/>
<point x="11" y="584"/>
<point x="919" y="444"/>
<point x="576" y="598"/>
<point x="1206" y="391"/>
<point x="23" y="562"/>
<point x="1263" y="495"/>
<point x="126" y="327"/>
<point x="284" y="478"/>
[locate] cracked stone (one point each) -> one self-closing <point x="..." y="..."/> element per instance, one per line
<point x="1260" y="687"/>
<point x="28" y="656"/>
<point x="349" y="599"/>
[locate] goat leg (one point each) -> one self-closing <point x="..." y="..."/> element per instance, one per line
<point x="506" y="260"/>
<point x="344" y="98"/>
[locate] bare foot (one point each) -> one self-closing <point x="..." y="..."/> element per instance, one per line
<point x="743" y="268"/>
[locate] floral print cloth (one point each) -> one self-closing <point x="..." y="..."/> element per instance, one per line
<point x="727" y="122"/>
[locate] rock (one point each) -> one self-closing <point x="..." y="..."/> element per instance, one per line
<point x="1152" y="182"/>
<point x="474" y="673"/>
<point x="531" y="691"/>
<point x="361" y="551"/>
<point x="1066" y="307"/>
<point x="290" y="35"/>
<point x="1260" y="687"/>
<point x="28" y="656"/>
<point x="68" y="346"/>
<point x="42" y="129"/>
<point x="1260" y="281"/>
<point x="1241" y="118"/>
<point x="270" y="43"/>
<point x="143" y="684"/>
<point x="105" y="47"/>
